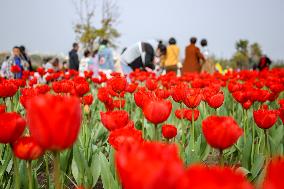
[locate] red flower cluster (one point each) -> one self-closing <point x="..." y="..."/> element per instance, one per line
<point x="153" y="162"/>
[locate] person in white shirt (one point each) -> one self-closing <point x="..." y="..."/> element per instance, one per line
<point x="4" y="67"/>
<point x="84" y="63"/>
<point x="139" y="56"/>
<point x="208" y="66"/>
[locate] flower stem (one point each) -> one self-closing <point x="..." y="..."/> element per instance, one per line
<point x="221" y="158"/>
<point x="57" y="178"/>
<point x="47" y="170"/>
<point x="16" y="173"/>
<point x="267" y="145"/>
<point x="156" y="132"/>
<point x="192" y="137"/>
<point x="29" y="167"/>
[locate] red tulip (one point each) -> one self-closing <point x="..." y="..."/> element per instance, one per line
<point x="180" y="113"/>
<point x="114" y="120"/>
<point x="247" y="105"/>
<point x="125" y="136"/>
<point x="2" y="108"/>
<point x="233" y="86"/>
<point x="216" y="101"/>
<point x="179" y="92"/>
<point x="33" y="81"/>
<point x="169" y="131"/>
<point x="276" y="87"/>
<point x="15" y="69"/>
<point x="26" y="148"/>
<point x="54" y="121"/>
<point x="117" y="84"/>
<point x="188" y="115"/>
<point x="88" y="99"/>
<point x="82" y="89"/>
<point x="263" y="96"/>
<point x="265" y="118"/>
<point x="221" y="132"/>
<point x="119" y="103"/>
<point x="43" y="89"/>
<point x="204" y="177"/>
<point x="273" y="96"/>
<point x="27" y="94"/>
<point x="281" y="114"/>
<point x="103" y="95"/>
<point x="151" y="84"/>
<point x="240" y="96"/>
<point x="157" y="110"/>
<point x="7" y="89"/>
<point x="41" y="71"/>
<point x="274" y="178"/>
<point x="141" y="96"/>
<point x="281" y="103"/>
<point x="150" y="165"/>
<point x="12" y="125"/>
<point x="131" y="87"/>
<point x="161" y="93"/>
<point x="192" y="101"/>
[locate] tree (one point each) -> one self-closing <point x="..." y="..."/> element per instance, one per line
<point x="89" y="34"/>
<point x="110" y="17"/>
<point x="241" y="57"/>
<point x="240" y="60"/>
<point x="255" y="53"/>
<point x="242" y="46"/>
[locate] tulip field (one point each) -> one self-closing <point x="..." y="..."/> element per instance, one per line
<point x="142" y="131"/>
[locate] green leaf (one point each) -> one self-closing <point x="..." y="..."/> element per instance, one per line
<point x="107" y="178"/>
<point x="243" y="170"/>
<point x="95" y="168"/>
<point x="246" y="152"/>
<point x="75" y="171"/>
<point x="257" y="166"/>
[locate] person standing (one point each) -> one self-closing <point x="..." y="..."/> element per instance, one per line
<point x="84" y="63"/>
<point x="15" y="60"/>
<point x="25" y="57"/>
<point x="264" y="63"/>
<point x="207" y="66"/>
<point x="4" y="67"/>
<point x="172" y="56"/>
<point x="105" y="55"/>
<point x="74" y="58"/>
<point x="193" y="57"/>
<point x="94" y="64"/>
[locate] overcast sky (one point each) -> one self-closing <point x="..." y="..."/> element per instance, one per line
<point x="47" y="25"/>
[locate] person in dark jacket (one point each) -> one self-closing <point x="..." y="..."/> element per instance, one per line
<point x="25" y="57"/>
<point x="264" y="63"/>
<point x="74" y="58"/>
<point x="138" y="56"/>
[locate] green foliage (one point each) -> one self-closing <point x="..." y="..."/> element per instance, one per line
<point x="88" y="33"/>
